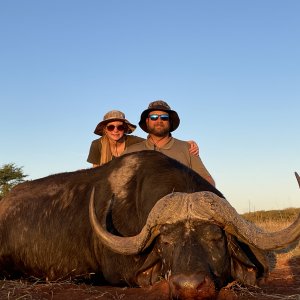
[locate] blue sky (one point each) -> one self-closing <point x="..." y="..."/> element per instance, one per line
<point x="231" y="69"/>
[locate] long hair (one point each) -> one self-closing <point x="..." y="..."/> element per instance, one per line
<point x="106" y="154"/>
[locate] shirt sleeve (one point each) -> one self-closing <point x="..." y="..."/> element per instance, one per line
<point x="133" y="139"/>
<point x="133" y="144"/>
<point x="198" y="166"/>
<point x="95" y="152"/>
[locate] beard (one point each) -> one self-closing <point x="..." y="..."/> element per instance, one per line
<point x="159" y="130"/>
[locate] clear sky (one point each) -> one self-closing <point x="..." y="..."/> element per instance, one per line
<point x="231" y="69"/>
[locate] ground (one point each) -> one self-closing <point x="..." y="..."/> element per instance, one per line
<point x="282" y="283"/>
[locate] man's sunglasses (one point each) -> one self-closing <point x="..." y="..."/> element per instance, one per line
<point x="112" y="127"/>
<point x="155" y="117"/>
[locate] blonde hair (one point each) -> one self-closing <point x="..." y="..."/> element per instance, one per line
<point x="106" y="154"/>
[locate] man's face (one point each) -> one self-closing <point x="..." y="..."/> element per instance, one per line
<point x="158" y="123"/>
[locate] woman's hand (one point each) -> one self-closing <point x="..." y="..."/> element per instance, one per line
<point x="194" y="149"/>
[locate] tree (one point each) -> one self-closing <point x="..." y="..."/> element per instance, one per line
<point x="10" y="175"/>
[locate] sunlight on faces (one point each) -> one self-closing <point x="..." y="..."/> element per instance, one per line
<point x="158" y="127"/>
<point x="116" y="133"/>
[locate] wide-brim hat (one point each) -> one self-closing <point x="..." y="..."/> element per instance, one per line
<point x="163" y="106"/>
<point x="114" y="115"/>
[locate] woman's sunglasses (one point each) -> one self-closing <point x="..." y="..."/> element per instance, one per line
<point x="112" y="127"/>
<point x="155" y="117"/>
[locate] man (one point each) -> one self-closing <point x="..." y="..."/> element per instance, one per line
<point x="159" y="121"/>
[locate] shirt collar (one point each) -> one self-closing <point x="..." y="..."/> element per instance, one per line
<point x="151" y="146"/>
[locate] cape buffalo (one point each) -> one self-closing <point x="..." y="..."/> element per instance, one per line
<point x="141" y="218"/>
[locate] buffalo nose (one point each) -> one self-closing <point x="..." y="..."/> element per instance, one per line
<point x="193" y="286"/>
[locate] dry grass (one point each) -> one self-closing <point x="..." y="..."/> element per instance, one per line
<point x="276" y="220"/>
<point x="274" y="216"/>
<point x="284" y="281"/>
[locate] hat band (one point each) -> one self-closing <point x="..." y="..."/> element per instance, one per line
<point x="159" y="108"/>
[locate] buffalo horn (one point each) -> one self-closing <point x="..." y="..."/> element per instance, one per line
<point x="168" y="210"/>
<point x="122" y="245"/>
<point x="298" y="178"/>
<point x="183" y="207"/>
<point x="226" y="217"/>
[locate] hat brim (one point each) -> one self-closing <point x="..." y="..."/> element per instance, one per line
<point x="99" y="130"/>
<point x="174" y="118"/>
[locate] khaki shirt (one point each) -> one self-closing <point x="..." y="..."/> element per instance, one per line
<point x="178" y="150"/>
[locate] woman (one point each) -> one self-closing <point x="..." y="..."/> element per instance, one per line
<point x="115" y="138"/>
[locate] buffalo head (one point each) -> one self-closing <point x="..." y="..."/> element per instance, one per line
<point x="198" y="242"/>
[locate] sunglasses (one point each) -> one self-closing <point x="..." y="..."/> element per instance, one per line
<point x="155" y="117"/>
<point x="112" y="127"/>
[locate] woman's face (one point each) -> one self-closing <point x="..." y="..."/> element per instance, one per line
<point x="115" y="130"/>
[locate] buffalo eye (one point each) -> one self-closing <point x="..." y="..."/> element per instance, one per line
<point x="213" y="233"/>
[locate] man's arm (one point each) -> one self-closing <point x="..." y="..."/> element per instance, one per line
<point x="198" y="166"/>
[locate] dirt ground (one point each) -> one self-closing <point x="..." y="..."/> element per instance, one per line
<point x="282" y="283"/>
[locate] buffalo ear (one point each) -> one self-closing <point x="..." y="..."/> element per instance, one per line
<point x="247" y="264"/>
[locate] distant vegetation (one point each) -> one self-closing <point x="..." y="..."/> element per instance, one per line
<point x="285" y="215"/>
<point x="10" y="176"/>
